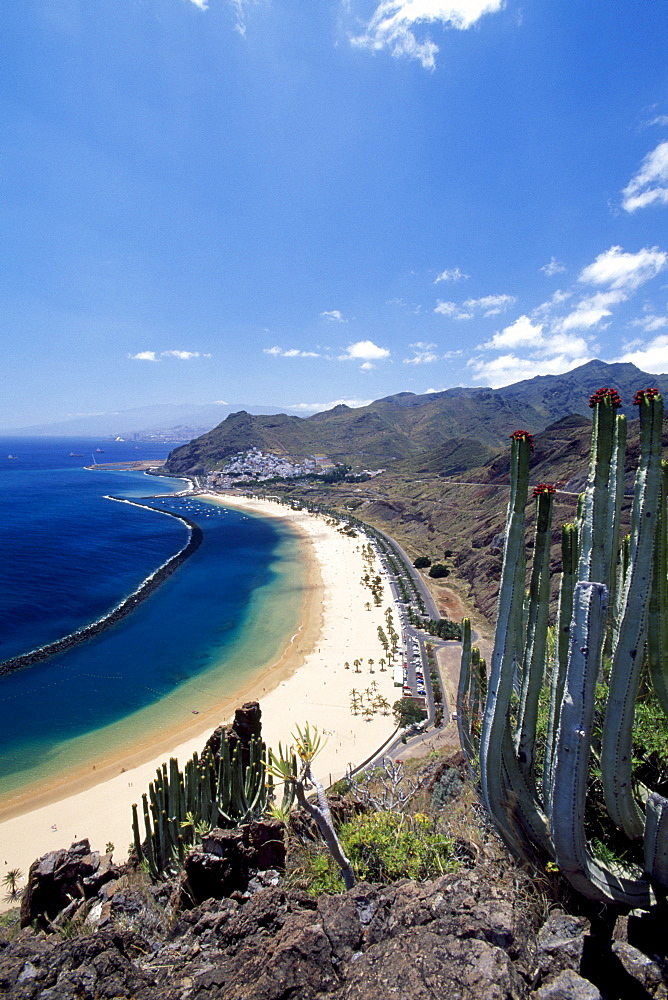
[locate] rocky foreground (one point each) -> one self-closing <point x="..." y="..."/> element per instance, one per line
<point x="480" y="934"/>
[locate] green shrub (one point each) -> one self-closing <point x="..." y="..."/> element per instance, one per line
<point x="422" y="562"/>
<point x="385" y="847"/>
<point x="438" y="570"/>
<point x="407" y="711"/>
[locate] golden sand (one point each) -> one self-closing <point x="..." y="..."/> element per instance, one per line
<point x="307" y="683"/>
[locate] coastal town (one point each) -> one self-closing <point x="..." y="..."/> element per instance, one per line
<point x="256" y="464"/>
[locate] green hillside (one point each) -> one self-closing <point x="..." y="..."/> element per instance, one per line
<point x="466" y="423"/>
<point x="464" y="513"/>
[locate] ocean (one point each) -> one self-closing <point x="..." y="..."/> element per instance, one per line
<point x="70" y="554"/>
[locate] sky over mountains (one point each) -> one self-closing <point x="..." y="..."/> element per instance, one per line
<point x="311" y="203"/>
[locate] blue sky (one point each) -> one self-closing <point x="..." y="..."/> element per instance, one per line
<point x="297" y="202"/>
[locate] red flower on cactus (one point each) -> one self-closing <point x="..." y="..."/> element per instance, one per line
<point x="522" y="436"/>
<point x="606" y="393"/>
<point x="643" y="394"/>
<point x="543" y="488"/>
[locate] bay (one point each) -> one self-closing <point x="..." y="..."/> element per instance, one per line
<point x="71" y="554"/>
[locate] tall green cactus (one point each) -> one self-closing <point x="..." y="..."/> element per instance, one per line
<point x="569" y="561"/>
<point x="507" y="794"/>
<point x="464" y="710"/>
<point x="180" y="804"/>
<point x="536" y="637"/>
<point x="613" y="597"/>
<point x="630" y="629"/>
<point x="657" y="619"/>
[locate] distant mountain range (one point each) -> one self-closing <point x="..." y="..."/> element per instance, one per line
<point x="172" y="421"/>
<point x="454" y="430"/>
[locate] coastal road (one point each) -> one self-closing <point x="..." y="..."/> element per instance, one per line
<point x="425" y="593"/>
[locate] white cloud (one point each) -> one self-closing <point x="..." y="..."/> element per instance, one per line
<point x="153" y="355"/>
<point x="183" y="355"/>
<point x="292" y="352"/>
<point x="545" y="309"/>
<point x="202" y="4"/>
<point x="589" y="312"/>
<point x="393" y="23"/>
<point x="650" y="357"/>
<point x="423" y="354"/>
<point x="650" y="323"/>
<point x="334" y="315"/>
<point x="565" y="345"/>
<point x="520" y="333"/>
<point x="650" y="185"/>
<point x="508" y="368"/>
<point x="554" y="267"/>
<point x="364" y="350"/>
<point x="452" y="310"/>
<point x="490" y="305"/>
<point x="546" y="341"/>
<point x="527" y="335"/>
<point x="625" y="271"/>
<point x="144" y="356"/>
<point x="451" y="274"/>
<point x="318" y="407"/>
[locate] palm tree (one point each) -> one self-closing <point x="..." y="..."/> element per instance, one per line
<point x="383" y="704"/>
<point x="10" y="881"/>
<point x="346" y="665"/>
<point x="357" y="666"/>
<point x="382" y="664"/>
<point x="370" y="665"/>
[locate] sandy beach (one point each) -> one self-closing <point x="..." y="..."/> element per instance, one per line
<point x="308" y="683"/>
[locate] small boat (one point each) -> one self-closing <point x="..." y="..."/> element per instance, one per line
<point x="74" y="454"/>
<point x="13" y="456"/>
<point x="99" y="451"/>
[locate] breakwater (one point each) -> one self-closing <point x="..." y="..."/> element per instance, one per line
<point x="128" y="604"/>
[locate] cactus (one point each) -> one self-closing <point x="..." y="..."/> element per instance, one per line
<point x="613" y="600"/>
<point x="657" y="619"/>
<point x="569" y="559"/>
<point x="181" y="804"/>
<point x="534" y="653"/>
<point x="471" y="693"/>
<point x="631" y="627"/>
<point x="509" y="800"/>
<point x="464" y="709"/>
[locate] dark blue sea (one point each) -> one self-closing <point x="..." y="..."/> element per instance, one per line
<point x="70" y="554"/>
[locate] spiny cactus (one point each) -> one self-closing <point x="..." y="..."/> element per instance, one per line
<point x="613" y="602"/>
<point x="181" y="805"/>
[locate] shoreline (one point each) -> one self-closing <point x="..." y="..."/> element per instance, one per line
<point x="124" y="607"/>
<point x="307" y="682"/>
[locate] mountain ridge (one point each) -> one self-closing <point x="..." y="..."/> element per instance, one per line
<point x="404" y="425"/>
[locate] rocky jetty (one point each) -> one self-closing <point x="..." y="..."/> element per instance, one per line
<point x="145" y="589"/>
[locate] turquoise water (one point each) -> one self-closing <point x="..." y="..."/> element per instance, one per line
<point x="207" y="630"/>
